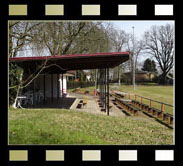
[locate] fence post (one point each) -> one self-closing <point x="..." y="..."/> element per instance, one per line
<point x="162" y="107"/>
<point x="95" y="93"/>
<point x="150" y="103"/>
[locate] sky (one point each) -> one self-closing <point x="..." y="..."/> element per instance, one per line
<point x="139" y="26"/>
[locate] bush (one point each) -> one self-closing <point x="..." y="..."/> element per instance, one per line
<point x="159" y="79"/>
<point x="80" y="84"/>
<point x="125" y="79"/>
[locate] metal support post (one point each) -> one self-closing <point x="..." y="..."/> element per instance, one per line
<point x="52" y="87"/>
<point x="34" y="94"/>
<point x="44" y="80"/>
<point x="62" y="86"/>
<point x="108" y="91"/>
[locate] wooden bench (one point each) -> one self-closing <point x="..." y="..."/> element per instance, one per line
<point x="168" y="118"/>
<point x="86" y="92"/>
<point x="149" y="110"/>
<point x="123" y="103"/>
<point x="137" y="103"/>
<point x="171" y="120"/>
<point x="126" y="104"/>
<point x="80" y="104"/>
<point x="130" y="108"/>
<point x="85" y="101"/>
<point x="119" y="95"/>
<point x="76" y="90"/>
<point x="144" y="106"/>
<point x="134" y="101"/>
<point x="133" y="109"/>
<point x="155" y="111"/>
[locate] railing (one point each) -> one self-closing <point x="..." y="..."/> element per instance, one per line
<point x="151" y="102"/>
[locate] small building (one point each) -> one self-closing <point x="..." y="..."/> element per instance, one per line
<point x="140" y="76"/>
<point x="53" y="69"/>
<point x="51" y="84"/>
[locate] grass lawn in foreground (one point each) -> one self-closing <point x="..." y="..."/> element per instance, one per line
<point x="58" y="126"/>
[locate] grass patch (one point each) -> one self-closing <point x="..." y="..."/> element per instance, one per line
<point x="58" y="126"/>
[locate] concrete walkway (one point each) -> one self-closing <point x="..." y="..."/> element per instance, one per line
<point x="92" y="105"/>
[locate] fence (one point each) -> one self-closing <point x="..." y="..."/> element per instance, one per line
<point x="80" y="84"/>
<point x="164" y="107"/>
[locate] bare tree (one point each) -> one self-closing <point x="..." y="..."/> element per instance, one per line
<point x="20" y="35"/>
<point x="58" y="37"/>
<point x="118" y="40"/>
<point x="135" y="47"/>
<point x="71" y="37"/>
<point x="159" y="42"/>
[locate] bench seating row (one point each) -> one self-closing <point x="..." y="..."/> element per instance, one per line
<point x="155" y="112"/>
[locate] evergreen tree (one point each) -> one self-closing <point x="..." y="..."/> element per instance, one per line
<point x="149" y="65"/>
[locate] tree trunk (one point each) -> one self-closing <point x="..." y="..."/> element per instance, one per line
<point x="119" y="78"/>
<point x="164" y="79"/>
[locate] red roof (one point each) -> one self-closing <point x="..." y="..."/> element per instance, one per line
<point x="73" y="62"/>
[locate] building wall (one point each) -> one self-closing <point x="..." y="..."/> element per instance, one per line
<point x="48" y="87"/>
<point x="141" y="76"/>
<point x="64" y="84"/>
<point x="55" y="84"/>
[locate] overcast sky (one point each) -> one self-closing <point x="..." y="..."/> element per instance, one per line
<point x="140" y="26"/>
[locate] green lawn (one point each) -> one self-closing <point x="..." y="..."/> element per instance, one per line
<point x="57" y="126"/>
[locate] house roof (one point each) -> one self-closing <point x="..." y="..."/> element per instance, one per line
<point x="62" y="63"/>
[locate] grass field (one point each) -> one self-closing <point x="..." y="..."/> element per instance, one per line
<point x="56" y="126"/>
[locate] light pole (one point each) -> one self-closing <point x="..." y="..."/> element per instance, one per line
<point x="133" y="62"/>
